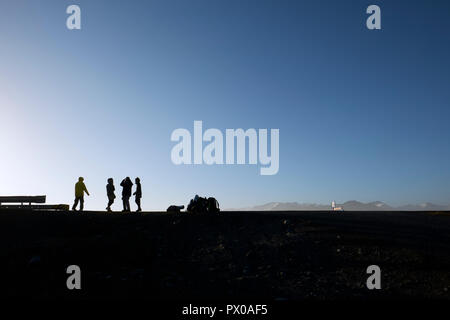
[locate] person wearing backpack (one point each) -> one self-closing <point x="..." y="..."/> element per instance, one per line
<point x="126" y="185"/>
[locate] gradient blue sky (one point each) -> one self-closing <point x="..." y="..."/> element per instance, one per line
<point x="362" y="114"/>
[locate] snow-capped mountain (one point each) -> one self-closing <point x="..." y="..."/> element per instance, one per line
<point x="352" y="205"/>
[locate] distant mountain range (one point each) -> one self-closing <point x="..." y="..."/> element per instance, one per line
<point x="349" y="206"/>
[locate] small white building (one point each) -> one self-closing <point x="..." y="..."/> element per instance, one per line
<point x="334" y="208"/>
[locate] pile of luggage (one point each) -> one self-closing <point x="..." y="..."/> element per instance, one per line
<point x="203" y="205"/>
<point x="198" y="205"/>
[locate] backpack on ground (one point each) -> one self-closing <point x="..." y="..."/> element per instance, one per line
<point x="175" y="209"/>
<point x="213" y="205"/>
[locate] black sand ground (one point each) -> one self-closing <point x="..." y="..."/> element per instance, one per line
<point x="237" y="255"/>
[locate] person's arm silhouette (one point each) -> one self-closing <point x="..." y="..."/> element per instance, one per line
<point x="85" y="190"/>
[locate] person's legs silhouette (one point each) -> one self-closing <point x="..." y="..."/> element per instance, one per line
<point x="75" y="204"/>
<point x="138" y="202"/>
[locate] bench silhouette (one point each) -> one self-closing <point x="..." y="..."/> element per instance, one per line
<point x="28" y="202"/>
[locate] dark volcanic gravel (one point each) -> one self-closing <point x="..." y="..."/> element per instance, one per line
<point x="246" y="255"/>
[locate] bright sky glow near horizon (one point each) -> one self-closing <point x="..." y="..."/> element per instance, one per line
<point x="362" y="114"/>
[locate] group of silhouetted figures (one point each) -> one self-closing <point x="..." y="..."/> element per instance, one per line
<point x="127" y="186"/>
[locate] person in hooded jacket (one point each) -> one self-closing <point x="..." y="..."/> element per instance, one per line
<point x="138" y="194"/>
<point x="110" y="193"/>
<point x="80" y="189"/>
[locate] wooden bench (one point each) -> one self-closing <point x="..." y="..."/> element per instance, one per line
<point x="28" y="202"/>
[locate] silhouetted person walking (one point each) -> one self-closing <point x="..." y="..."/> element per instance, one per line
<point x="126" y="193"/>
<point x="110" y="192"/>
<point x="80" y="189"/>
<point x="138" y="194"/>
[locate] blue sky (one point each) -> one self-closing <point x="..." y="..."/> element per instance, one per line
<point x="362" y="114"/>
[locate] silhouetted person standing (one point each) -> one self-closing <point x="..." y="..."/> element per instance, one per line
<point x="80" y="189"/>
<point x="110" y="193"/>
<point x="126" y="193"/>
<point x="138" y="194"/>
